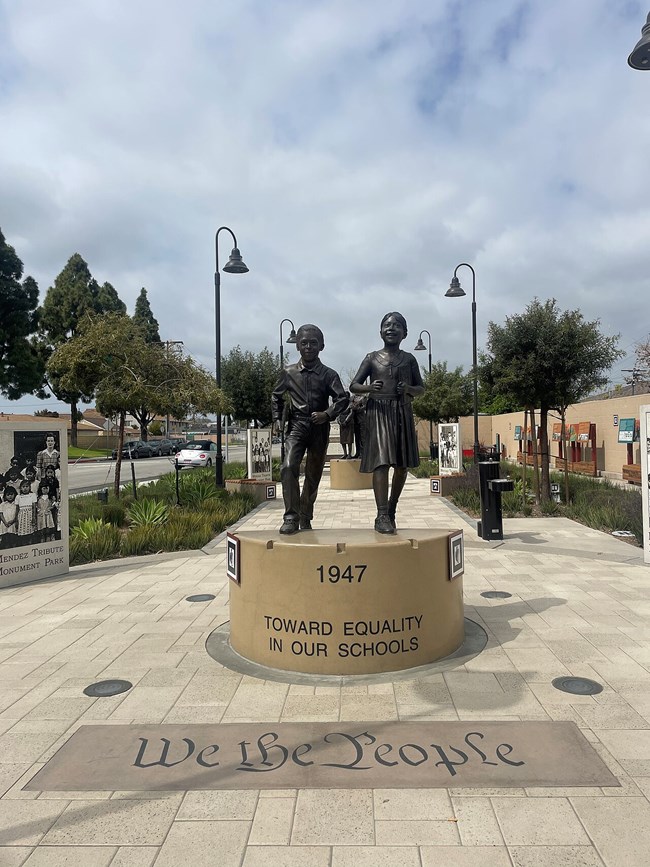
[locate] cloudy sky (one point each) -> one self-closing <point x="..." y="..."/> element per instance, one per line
<point x="359" y="151"/>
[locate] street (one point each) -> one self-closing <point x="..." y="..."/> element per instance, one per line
<point x="100" y="474"/>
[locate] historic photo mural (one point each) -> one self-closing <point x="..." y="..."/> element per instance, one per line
<point x="33" y="501"/>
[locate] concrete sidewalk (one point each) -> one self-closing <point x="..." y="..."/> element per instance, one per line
<point x="579" y="606"/>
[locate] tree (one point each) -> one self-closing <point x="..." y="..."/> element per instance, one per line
<point x="109" y="301"/>
<point x="248" y="380"/>
<point x="22" y="365"/>
<point x="144" y="318"/>
<point x="147" y="323"/>
<point x="111" y="356"/>
<point x="75" y="294"/>
<point x="46" y="413"/>
<point x="587" y="355"/>
<point x="489" y="401"/>
<point x="542" y="358"/>
<point x="447" y="394"/>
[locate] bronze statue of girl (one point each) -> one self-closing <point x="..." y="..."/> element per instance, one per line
<point x="393" y="378"/>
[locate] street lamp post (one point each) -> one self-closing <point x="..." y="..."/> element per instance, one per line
<point x="640" y="57"/>
<point x="456" y="291"/>
<point x="420" y="347"/>
<point x="290" y="339"/>
<point x="234" y="265"/>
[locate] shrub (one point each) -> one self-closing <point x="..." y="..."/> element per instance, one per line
<point x="147" y="512"/>
<point x="467" y="499"/>
<point x="93" y="540"/>
<point x="187" y="531"/>
<point x="141" y="540"/>
<point x="197" y="490"/>
<point x="425" y="469"/>
<point x="235" y="470"/>
<point x="87" y="528"/>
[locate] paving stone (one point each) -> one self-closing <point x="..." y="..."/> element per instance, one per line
<point x="411" y="804"/>
<point x="272" y="822"/>
<point x="555" y="856"/>
<point x="197" y="843"/>
<point x="333" y="817"/>
<point x="71" y="856"/>
<point x="233" y="804"/>
<point x="23" y="823"/>
<point x="288" y="856"/>
<point x="460" y="856"/>
<point x="539" y="822"/>
<point x="379" y="856"/>
<point x="112" y="823"/>
<point x="14" y="856"/>
<point x="477" y="823"/>
<point x="619" y="828"/>
<point x="417" y="833"/>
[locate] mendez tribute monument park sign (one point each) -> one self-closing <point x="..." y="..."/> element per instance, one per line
<point x="323" y="755"/>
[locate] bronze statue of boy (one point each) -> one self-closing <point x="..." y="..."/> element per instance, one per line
<point x="309" y="385"/>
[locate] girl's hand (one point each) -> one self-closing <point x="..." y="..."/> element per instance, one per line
<point x="377" y="385"/>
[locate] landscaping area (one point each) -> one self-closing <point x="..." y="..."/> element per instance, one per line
<point x="597" y="503"/>
<point x="155" y="522"/>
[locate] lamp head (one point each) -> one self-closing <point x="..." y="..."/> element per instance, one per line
<point x="292" y="337"/>
<point x="419" y="345"/>
<point x="455" y="289"/>
<point x="235" y="264"/>
<point x="640" y="57"/>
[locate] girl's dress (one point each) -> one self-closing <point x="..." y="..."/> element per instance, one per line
<point x="26" y="503"/>
<point x="44" y="516"/>
<point x="390" y="437"/>
<point x="8" y="511"/>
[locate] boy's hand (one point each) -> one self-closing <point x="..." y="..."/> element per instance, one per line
<point x="319" y="417"/>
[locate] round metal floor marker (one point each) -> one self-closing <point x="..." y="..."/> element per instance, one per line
<point x="577" y="685"/>
<point x="200" y="597"/>
<point x="496" y="594"/>
<point x="105" y="688"/>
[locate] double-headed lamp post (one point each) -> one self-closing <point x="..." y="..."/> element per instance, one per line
<point x="290" y="339"/>
<point x="456" y="291"/>
<point x="234" y="265"/>
<point x="640" y="57"/>
<point x="419" y="347"/>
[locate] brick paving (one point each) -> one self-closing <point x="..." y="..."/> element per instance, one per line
<point x="579" y="606"/>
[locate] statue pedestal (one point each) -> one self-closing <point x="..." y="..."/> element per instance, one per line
<point x="345" y="476"/>
<point x="346" y="601"/>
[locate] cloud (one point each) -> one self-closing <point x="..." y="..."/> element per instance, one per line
<point x="359" y="151"/>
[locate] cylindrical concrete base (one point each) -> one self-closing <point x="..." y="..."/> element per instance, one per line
<point x="346" y="601"/>
<point x="345" y="476"/>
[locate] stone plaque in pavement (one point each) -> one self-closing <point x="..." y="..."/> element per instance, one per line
<point x="323" y="755"/>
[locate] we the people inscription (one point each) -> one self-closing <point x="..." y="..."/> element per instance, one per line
<point x="347" y="602"/>
<point x="331" y="755"/>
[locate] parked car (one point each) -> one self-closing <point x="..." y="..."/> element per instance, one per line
<point x="163" y="447"/>
<point x="198" y="453"/>
<point x="135" y="449"/>
<point x="179" y="444"/>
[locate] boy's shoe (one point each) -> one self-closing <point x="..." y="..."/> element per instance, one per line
<point x="383" y="524"/>
<point x="305" y="524"/>
<point x="289" y="527"/>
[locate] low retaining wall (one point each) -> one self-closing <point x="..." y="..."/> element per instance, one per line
<point x="259" y="489"/>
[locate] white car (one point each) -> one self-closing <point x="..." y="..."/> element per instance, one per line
<point x="198" y="453"/>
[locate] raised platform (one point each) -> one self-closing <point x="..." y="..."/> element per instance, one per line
<point x="345" y="475"/>
<point x="346" y="601"/>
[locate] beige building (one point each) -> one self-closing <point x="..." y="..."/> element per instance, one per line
<point x="595" y="428"/>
